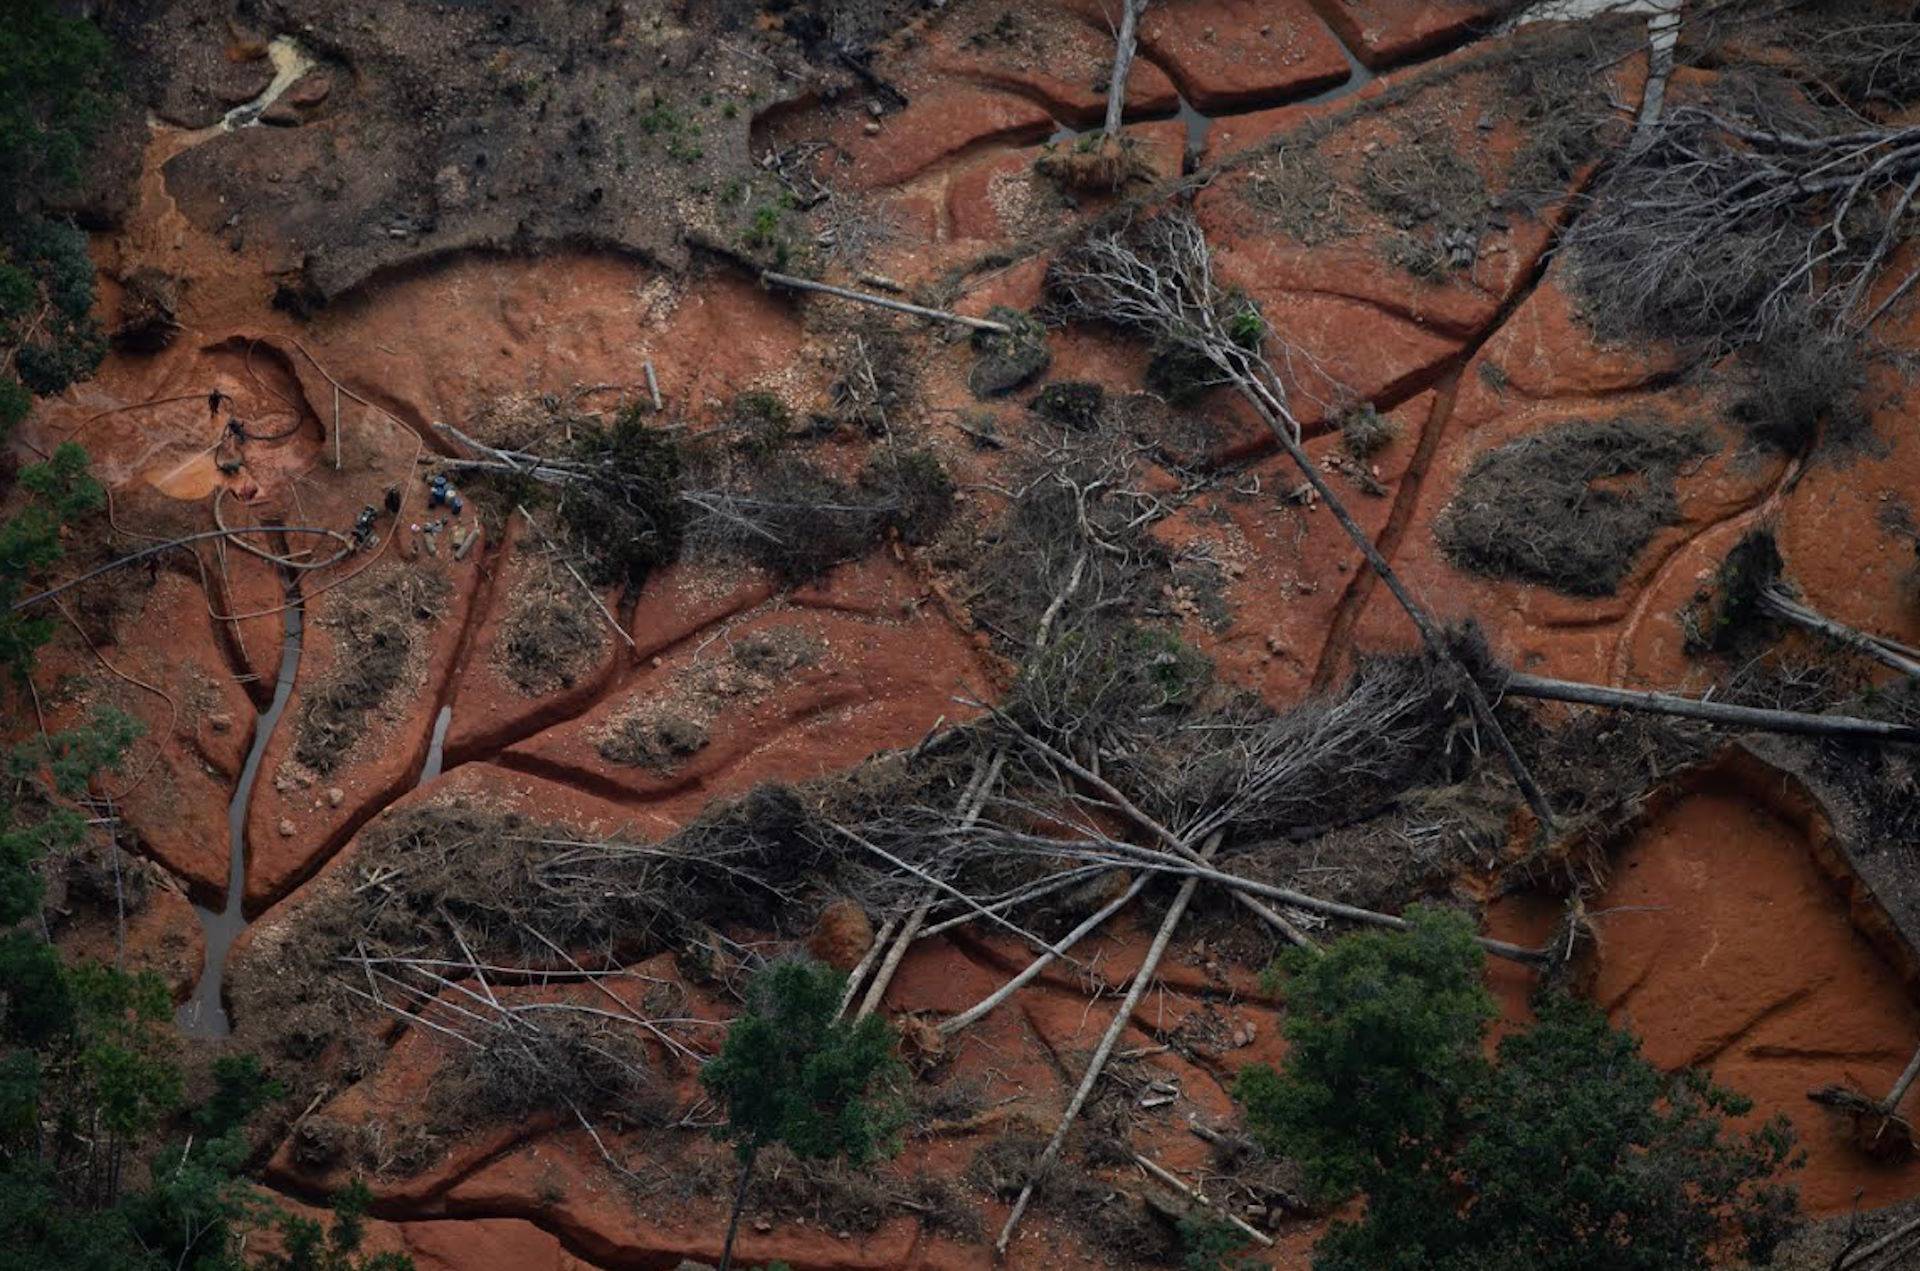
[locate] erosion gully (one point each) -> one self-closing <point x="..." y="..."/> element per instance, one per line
<point x="204" y="1013"/>
<point x="1199" y="125"/>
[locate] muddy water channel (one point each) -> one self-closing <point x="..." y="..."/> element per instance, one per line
<point x="204" y="1014"/>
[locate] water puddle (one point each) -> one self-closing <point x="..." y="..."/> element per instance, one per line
<point x="436" y="748"/>
<point x="205" y="1014"/>
<point x="290" y="62"/>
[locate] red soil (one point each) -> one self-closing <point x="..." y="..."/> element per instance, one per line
<point x="1722" y="944"/>
<point x="1726" y="942"/>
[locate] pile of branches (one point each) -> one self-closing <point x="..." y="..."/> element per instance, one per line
<point x="632" y="497"/>
<point x="1737" y="227"/>
<point x="516" y="888"/>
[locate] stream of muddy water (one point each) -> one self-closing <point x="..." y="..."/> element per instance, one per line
<point x="205" y="1014"/>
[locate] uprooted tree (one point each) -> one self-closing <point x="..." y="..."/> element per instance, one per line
<point x="1760" y="218"/>
<point x="793" y="1073"/>
<point x="1567" y="1151"/>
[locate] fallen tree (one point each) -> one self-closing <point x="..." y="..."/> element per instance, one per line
<point x="1156" y="277"/>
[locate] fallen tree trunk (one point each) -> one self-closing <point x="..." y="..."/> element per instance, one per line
<point x="1167" y="1176"/>
<point x="1134" y="813"/>
<point x="1892" y="1102"/>
<point x="1118" y="853"/>
<point x="1157" y="277"/>
<point x="986" y="1004"/>
<point x="1121" y="1018"/>
<point x="1782" y="606"/>
<point x="971" y="801"/>
<point x="1858" y="1257"/>
<point x="1777" y="721"/>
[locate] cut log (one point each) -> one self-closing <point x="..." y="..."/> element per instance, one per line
<point x="1123" y="47"/>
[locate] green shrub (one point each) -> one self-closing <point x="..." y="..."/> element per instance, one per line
<point x="793" y="1072"/>
<point x="630" y="524"/>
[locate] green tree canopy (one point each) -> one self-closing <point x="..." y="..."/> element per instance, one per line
<point x="56" y="84"/>
<point x="1566" y="1152"/>
<point x="793" y="1072"/>
<point x="60" y="492"/>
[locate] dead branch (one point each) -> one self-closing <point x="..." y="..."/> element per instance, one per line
<point x="941" y="884"/>
<point x="1177" y="843"/>
<point x="1199" y="1198"/>
<point x="592" y="595"/>
<point x="1891" y="1103"/>
<point x="1129" y="855"/>
<point x="1859" y="1257"/>
<point x="971" y="801"/>
<point x="883" y="302"/>
<point x="1021" y="895"/>
<point x="985" y="1005"/>
<point x="1121" y="1018"/>
<point x="1733" y="228"/>
<point x="1778" y="603"/>
<point x="867" y="959"/>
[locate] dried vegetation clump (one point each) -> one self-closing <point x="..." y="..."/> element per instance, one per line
<point x="552" y="632"/>
<point x="1096" y="164"/>
<point x="1295" y="188"/>
<point x="377" y="624"/>
<point x="1010" y="359"/>
<point x="1757" y="217"/>
<point x="1570" y="507"/>
<point x="633" y="496"/>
